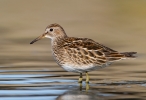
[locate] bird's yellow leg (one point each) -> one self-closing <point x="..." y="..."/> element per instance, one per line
<point x="80" y="78"/>
<point x="80" y="84"/>
<point x="87" y="87"/>
<point x="87" y="77"/>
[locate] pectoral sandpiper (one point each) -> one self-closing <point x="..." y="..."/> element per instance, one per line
<point x="80" y="55"/>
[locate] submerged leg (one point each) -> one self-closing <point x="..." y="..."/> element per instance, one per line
<point x="80" y="78"/>
<point x="87" y="77"/>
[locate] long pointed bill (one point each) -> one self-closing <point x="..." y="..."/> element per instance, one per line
<point x="38" y="38"/>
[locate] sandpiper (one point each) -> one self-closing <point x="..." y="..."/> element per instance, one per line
<point x="80" y="55"/>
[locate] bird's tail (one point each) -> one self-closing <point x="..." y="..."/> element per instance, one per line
<point x="116" y="56"/>
<point x="129" y="54"/>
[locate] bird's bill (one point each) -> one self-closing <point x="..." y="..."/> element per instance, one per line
<point x="38" y="38"/>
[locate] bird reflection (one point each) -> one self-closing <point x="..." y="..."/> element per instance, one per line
<point x="79" y="94"/>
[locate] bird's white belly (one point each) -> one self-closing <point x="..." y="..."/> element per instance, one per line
<point x="82" y="68"/>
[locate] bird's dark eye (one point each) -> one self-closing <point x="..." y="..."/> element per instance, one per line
<point x="51" y="29"/>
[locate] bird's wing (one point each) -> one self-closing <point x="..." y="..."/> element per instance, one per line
<point x="90" y="51"/>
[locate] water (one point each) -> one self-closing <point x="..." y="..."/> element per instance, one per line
<point x="41" y="84"/>
<point x="29" y="72"/>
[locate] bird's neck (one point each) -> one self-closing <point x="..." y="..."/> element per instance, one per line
<point x="56" y="40"/>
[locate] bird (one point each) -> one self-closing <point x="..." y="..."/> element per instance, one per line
<point x="80" y="55"/>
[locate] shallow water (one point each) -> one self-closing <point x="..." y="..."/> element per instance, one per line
<point x="29" y="72"/>
<point x="51" y="82"/>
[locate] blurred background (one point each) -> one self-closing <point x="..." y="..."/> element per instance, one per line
<point x="118" y="24"/>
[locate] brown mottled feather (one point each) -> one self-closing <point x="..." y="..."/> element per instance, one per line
<point x="85" y="49"/>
